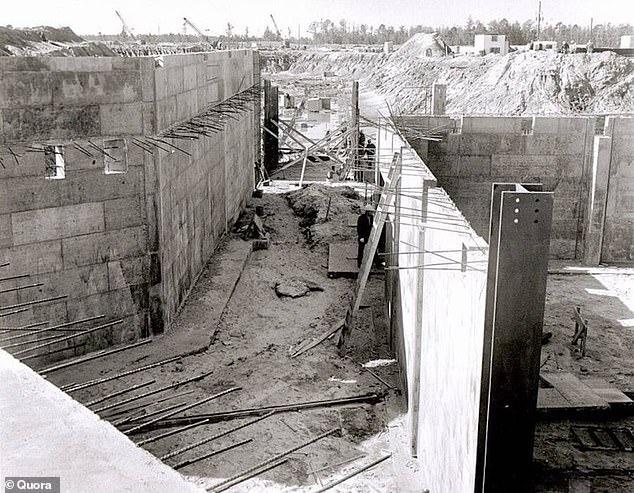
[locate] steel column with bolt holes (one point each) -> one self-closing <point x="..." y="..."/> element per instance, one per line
<point x="271" y="114"/>
<point x="521" y="217"/>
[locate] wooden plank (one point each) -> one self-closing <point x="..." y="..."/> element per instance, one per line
<point x="318" y="340"/>
<point x="607" y="391"/>
<point x="585" y="438"/>
<point x="624" y="438"/>
<point x="342" y="259"/>
<point x="370" y="249"/>
<point x="551" y="399"/>
<point x="575" y="391"/>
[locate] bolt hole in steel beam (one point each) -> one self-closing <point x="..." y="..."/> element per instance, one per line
<point x="516" y="290"/>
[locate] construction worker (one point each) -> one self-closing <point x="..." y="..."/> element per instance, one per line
<point x="364" y="227"/>
<point x="368" y="161"/>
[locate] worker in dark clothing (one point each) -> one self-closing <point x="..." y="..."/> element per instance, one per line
<point x="369" y="154"/>
<point x="364" y="227"/>
<point x="359" y="157"/>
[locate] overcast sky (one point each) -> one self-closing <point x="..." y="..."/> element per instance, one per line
<point x="143" y="16"/>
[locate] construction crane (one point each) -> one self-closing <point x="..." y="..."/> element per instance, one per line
<point x="277" y="30"/>
<point x="198" y="31"/>
<point x="286" y="42"/>
<point x="126" y="31"/>
<point x="214" y="44"/>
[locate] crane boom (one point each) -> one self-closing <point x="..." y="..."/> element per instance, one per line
<point x="198" y="31"/>
<point x="277" y="30"/>
<point x="126" y="30"/>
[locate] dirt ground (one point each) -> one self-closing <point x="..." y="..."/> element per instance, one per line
<point x="606" y="299"/>
<point x="251" y="350"/>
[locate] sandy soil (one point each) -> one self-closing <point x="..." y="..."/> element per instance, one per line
<point x="606" y="298"/>
<point x="251" y="349"/>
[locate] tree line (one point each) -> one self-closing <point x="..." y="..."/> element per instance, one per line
<point x="329" y="32"/>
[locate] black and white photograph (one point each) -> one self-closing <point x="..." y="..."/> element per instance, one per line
<point x="298" y="246"/>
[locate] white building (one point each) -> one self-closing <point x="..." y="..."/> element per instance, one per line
<point x="491" y="43"/>
<point x="627" y="41"/>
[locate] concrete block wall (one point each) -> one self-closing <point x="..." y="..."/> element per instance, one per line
<point x="125" y="245"/>
<point x="201" y="195"/>
<point x="555" y="151"/>
<point x="83" y="236"/>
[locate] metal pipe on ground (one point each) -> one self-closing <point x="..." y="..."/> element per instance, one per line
<point x="6" y="314"/>
<point x="97" y="381"/>
<point x="238" y="478"/>
<point x="213" y="437"/>
<point x="211" y="454"/>
<point x="4" y="330"/>
<point x="353" y="474"/>
<point x="141" y="413"/>
<point x="172" y="432"/>
<point x="243" y="413"/>
<point x="153" y="392"/>
<point x="119" y="392"/>
<point x="177" y="411"/>
<point x="19" y="288"/>
<point x="145" y="405"/>
<point x="91" y="357"/>
<point x="251" y="475"/>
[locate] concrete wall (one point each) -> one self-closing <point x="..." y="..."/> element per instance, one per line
<point x="618" y="233"/>
<point x="45" y="432"/>
<point x="126" y="245"/>
<point x="555" y="151"/>
<point x="201" y="195"/>
<point x="84" y="236"/>
<point x="436" y="294"/>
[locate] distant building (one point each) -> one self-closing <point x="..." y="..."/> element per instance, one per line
<point x="491" y="43"/>
<point x="627" y="41"/>
<point x="463" y="49"/>
<point x="545" y="45"/>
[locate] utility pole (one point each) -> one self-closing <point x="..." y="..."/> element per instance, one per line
<point x="591" y="19"/>
<point x="539" y="19"/>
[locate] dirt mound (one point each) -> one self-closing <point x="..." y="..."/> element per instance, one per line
<point x="49" y="41"/>
<point x="314" y="202"/>
<point x="423" y="45"/>
<point x="520" y="83"/>
<point x="357" y="65"/>
<point x="534" y="82"/>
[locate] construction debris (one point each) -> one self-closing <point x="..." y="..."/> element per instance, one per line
<point x="372" y="398"/>
<point x="295" y="288"/>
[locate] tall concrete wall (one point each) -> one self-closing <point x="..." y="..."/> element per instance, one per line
<point x="84" y="236"/>
<point x="618" y="233"/>
<point x="436" y="279"/>
<point x="130" y="244"/>
<point x="201" y="195"/>
<point x="555" y="151"/>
